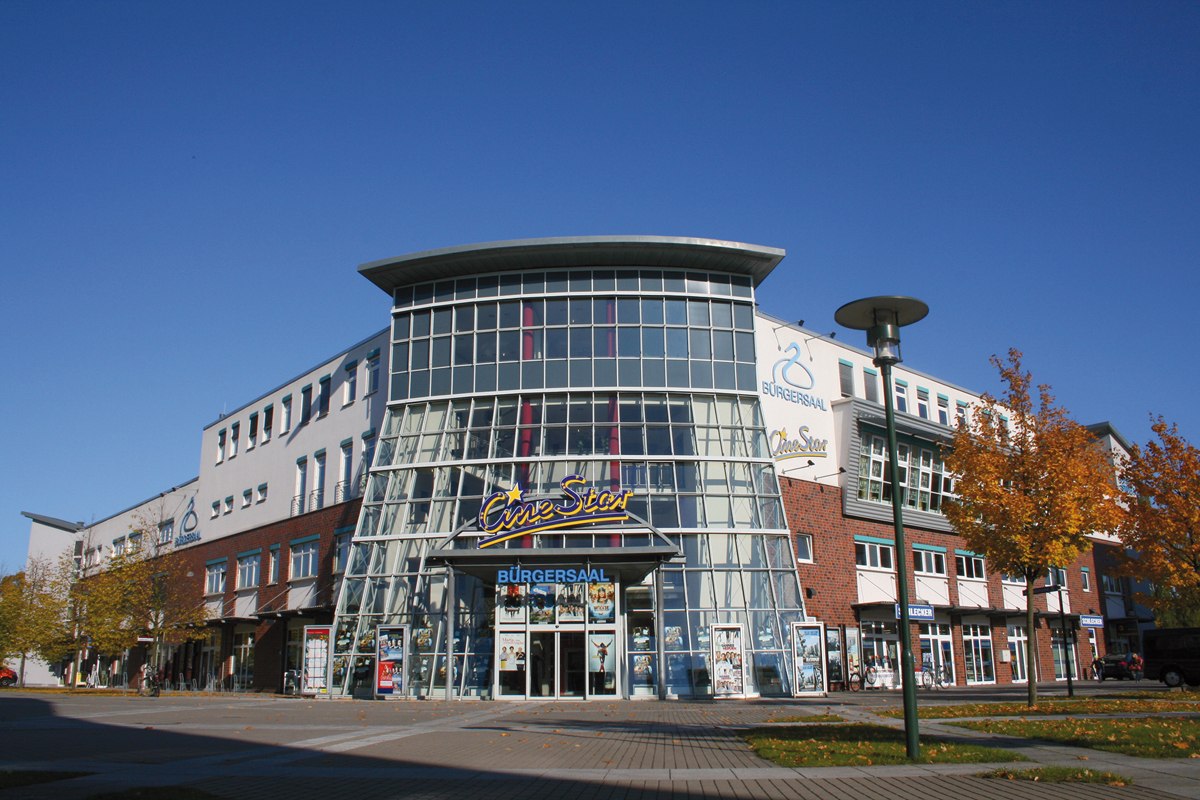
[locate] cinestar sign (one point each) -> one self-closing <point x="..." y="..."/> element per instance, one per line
<point x="507" y="515"/>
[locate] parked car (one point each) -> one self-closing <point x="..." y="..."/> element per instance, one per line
<point x="1173" y="655"/>
<point x="7" y="677"/>
<point x="1113" y="665"/>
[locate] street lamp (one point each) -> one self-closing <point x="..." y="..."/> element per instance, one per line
<point x="882" y="318"/>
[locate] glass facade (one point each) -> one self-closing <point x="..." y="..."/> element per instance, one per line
<point x="520" y="403"/>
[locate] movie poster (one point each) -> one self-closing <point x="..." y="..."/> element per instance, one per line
<point x="512" y="652"/>
<point x="808" y="646"/>
<point x="389" y="661"/>
<point x="602" y="602"/>
<point x="316" y="660"/>
<point x="571" y="602"/>
<point x="541" y="604"/>
<point x="510" y="603"/>
<point x="602" y="663"/>
<point x="729" y="677"/>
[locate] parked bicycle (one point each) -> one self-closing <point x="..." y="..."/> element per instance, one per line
<point x="935" y="677"/>
<point x="150" y="685"/>
<point x="859" y="680"/>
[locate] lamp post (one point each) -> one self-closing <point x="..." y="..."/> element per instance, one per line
<point x="882" y="318"/>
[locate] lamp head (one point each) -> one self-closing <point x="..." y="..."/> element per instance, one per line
<point x="882" y="318"/>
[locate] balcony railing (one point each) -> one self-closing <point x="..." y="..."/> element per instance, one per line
<point x="298" y="505"/>
<point x="316" y="499"/>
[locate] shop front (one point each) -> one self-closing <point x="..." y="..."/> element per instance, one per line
<point x="573" y="495"/>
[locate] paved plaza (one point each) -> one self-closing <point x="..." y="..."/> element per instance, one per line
<point x="249" y="746"/>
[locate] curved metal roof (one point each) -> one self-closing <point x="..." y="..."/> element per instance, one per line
<point x="669" y="252"/>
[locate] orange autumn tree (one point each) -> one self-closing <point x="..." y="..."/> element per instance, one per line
<point x="1162" y="526"/>
<point x="1031" y="484"/>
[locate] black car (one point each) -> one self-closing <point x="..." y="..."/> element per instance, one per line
<point x="1113" y="665"/>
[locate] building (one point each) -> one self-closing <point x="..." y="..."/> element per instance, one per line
<point x="598" y="472"/>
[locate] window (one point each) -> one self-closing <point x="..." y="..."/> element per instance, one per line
<point x="870" y="385"/>
<point x="304" y="560"/>
<point x="901" y="396"/>
<point x="306" y="397"/>
<point x="922" y="403"/>
<point x="228" y="504"/>
<point x="247" y="577"/>
<point x="1085" y="578"/>
<point x="323" y="396"/>
<point x="1012" y="580"/>
<point x="214" y="578"/>
<point x="268" y="421"/>
<point x="285" y="414"/>
<point x="1109" y="584"/>
<point x="372" y="374"/>
<point x="871" y="555"/>
<point x="216" y="509"/>
<point x="246" y="496"/>
<point x="1056" y="576"/>
<point x="846" y="377"/>
<point x="341" y="551"/>
<point x="318" y="490"/>
<point x="118" y="547"/>
<point x="252" y="432"/>
<point x="804" y="545"/>
<point x="943" y="409"/>
<point x="970" y="567"/>
<point x="345" y="472"/>
<point x="235" y="430"/>
<point x="923" y="478"/>
<point x="299" y="499"/>
<point x="273" y="565"/>
<point x="977" y="652"/>
<point x="928" y="562"/>
<point x="262" y="493"/>
<point x="166" y="531"/>
<point x="220" y="445"/>
<point x="350" y="387"/>
<point x="135" y="542"/>
<point x="960" y="413"/>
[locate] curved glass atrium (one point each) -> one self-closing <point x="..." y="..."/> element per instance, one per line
<point x="514" y="395"/>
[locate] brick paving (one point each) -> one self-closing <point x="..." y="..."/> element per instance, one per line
<point x="244" y="747"/>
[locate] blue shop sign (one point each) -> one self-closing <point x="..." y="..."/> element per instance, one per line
<point x="917" y="611"/>
<point x="1091" y="621"/>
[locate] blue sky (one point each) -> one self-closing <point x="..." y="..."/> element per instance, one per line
<point x="187" y="189"/>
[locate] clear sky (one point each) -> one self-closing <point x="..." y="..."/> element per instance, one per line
<point x="187" y="189"/>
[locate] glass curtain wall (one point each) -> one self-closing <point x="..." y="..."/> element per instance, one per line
<point x="633" y="379"/>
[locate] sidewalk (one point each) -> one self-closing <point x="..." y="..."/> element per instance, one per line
<point x="257" y="747"/>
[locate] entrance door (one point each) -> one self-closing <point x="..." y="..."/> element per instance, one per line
<point x="557" y="664"/>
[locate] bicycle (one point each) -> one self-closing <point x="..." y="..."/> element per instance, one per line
<point x="858" y="680"/>
<point x="935" y="677"/>
<point x="149" y="686"/>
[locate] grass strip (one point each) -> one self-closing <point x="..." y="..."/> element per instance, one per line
<point x="1051" y="707"/>
<point x="802" y="718"/>
<point x="1144" y="737"/>
<point x="1058" y="775"/>
<point x="858" y="745"/>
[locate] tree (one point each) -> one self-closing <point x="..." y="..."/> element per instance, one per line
<point x="34" y="612"/>
<point x="140" y="592"/>
<point x="1162" y="527"/>
<point x="1030" y="489"/>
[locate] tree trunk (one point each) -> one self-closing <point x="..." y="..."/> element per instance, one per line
<point x="1030" y="643"/>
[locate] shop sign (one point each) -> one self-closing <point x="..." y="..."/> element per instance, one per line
<point x="507" y="515"/>
<point x="187" y="527"/>
<point x="803" y="444"/>
<point x="791" y="381"/>
<point x="556" y="575"/>
<point x="917" y="611"/>
<point x="1091" y="621"/>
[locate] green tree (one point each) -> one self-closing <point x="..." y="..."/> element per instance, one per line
<point x="1031" y="485"/>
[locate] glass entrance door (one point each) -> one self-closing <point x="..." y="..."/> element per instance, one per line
<point x="557" y="665"/>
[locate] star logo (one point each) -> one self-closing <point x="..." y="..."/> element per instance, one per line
<point x="514" y="495"/>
